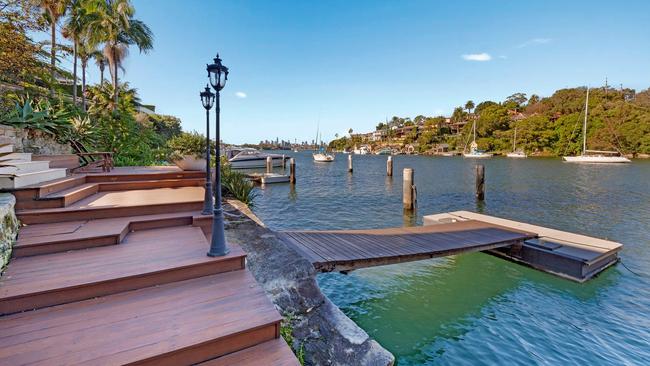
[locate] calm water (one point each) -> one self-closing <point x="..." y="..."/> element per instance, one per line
<point x="477" y="309"/>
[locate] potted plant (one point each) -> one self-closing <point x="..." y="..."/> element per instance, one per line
<point x="188" y="150"/>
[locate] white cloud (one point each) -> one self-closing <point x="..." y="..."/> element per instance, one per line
<point x="503" y="57"/>
<point x="534" y="41"/>
<point x="477" y="57"/>
<point x="241" y="95"/>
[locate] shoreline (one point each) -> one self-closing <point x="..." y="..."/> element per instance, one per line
<point x="319" y="328"/>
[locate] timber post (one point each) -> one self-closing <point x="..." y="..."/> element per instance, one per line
<point x="292" y="171"/>
<point x="389" y="166"/>
<point x="269" y="164"/>
<point x="350" y="163"/>
<point x="480" y="182"/>
<point x="409" y="192"/>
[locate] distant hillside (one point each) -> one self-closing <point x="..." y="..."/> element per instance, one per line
<point x="552" y="126"/>
<point x="617" y="120"/>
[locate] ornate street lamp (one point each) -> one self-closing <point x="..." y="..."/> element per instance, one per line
<point x="218" y="74"/>
<point x="207" y="99"/>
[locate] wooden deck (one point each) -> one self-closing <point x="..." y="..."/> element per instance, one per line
<point x="347" y="250"/>
<point x="573" y="256"/>
<point x="112" y="269"/>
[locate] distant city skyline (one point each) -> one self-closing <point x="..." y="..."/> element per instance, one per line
<point x="355" y="64"/>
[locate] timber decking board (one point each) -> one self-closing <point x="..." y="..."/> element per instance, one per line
<point x="183" y="322"/>
<point x="359" y="248"/>
<point x="56" y="237"/>
<point x="120" y="203"/>
<point x="269" y="353"/>
<point x="142" y="259"/>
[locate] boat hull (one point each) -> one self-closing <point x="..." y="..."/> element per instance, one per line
<point x="597" y="159"/>
<point x="477" y="156"/>
<point x="516" y="155"/>
<point x="323" y="158"/>
<point x="254" y="163"/>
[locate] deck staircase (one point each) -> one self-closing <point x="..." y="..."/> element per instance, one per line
<point x="18" y="170"/>
<point x="112" y="269"/>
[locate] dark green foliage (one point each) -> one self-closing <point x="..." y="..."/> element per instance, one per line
<point x="40" y="115"/>
<point x="236" y="184"/>
<point x="189" y="143"/>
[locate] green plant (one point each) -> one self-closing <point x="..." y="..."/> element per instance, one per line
<point x="237" y="185"/>
<point x="286" y="331"/>
<point x="187" y="143"/>
<point x="39" y="115"/>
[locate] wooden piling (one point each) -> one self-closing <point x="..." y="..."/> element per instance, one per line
<point x="292" y="170"/>
<point x="350" y="163"/>
<point x="480" y="182"/>
<point x="269" y="164"/>
<point x="408" y="189"/>
<point x="389" y="166"/>
<point x="284" y="162"/>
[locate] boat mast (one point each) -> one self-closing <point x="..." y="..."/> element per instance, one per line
<point x="584" y="125"/>
<point x="514" y="142"/>
<point x="474" y="129"/>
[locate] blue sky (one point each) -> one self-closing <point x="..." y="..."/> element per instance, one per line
<point x="355" y="63"/>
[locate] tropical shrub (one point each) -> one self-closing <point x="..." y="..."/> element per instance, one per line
<point x="188" y="143"/>
<point x="236" y="184"/>
<point x="39" y="115"/>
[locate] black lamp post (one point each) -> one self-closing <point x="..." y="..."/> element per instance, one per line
<point x="218" y="74"/>
<point x="207" y="98"/>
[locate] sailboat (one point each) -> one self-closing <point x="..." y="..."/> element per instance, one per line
<point x="516" y="153"/>
<point x="594" y="156"/>
<point x="474" y="152"/>
<point x="321" y="155"/>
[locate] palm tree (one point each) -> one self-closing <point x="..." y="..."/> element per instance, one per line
<point x="469" y="106"/>
<point x="85" y="54"/>
<point x="117" y="30"/>
<point x="100" y="60"/>
<point x="73" y="29"/>
<point x="54" y="10"/>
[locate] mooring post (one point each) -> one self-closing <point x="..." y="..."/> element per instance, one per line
<point x="284" y="162"/>
<point x="480" y="182"/>
<point x="350" y="163"/>
<point x="269" y="164"/>
<point x="408" y="189"/>
<point x="389" y="166"/>
<point x="292" y="170"/>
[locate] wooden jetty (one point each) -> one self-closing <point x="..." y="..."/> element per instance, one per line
<point x="268" y="178"/>
<point x="347" y="250"/>
<point x="569" y="255"/>
<point x="572" y="256"/>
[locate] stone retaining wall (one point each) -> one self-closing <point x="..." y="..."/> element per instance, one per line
<point x="8" y="227"/>
<point x="32" y="141"/>
<point x="320" y="329"/>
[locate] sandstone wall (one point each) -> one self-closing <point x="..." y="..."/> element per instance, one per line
<point x="36" y="142"/>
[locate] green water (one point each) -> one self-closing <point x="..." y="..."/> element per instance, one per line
<point x="475" y="308"/>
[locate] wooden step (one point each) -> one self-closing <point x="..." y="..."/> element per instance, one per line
<point x="21" y="167"/>
<point x="120" y="203"/>
<point x="145" y="258"/>
<point x="115" y="176"/>
<point x="275" y="352"/>
<point x="39" y="239"/>
<point x="19" y="180"/>
<point x="179" y="323"/>
<point x="16" y="156"/>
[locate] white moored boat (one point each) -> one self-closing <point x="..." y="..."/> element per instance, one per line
<point x="516" y="153"/>
<point x="248" y="158"/>
<point x="594" y="156"/>
<point x="323" y="157"/>
<point x="474" y="152"/>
